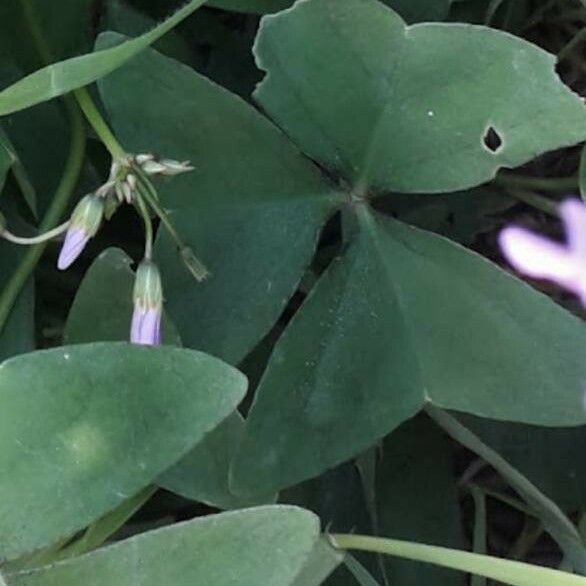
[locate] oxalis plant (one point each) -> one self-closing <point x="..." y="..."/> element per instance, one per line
<point x="262" y="316"/>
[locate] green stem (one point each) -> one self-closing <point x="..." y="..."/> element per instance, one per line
<point x="531" y="532"/>
<point x="567" y="49"/>
<point x="58" y="205"/>
<point x="507" y="571"/>
<point x="191" y="262"/>
<point x="539" y="202"/>
<point x="148" y="227"/>
<point x="34" y="239"/>
<point x="537" y="183"/>
<point x="479" y="537"/>
<point x="554" y="520"/>
<point x="510" y="501"/>
<point x="149" y="193"/>
<point x="98" y="123"/>
<point x="491" y="10"/>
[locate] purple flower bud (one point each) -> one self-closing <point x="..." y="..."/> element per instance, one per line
<point x="83" y="225"/>
<point x="148" y="305"/>
<point x="75" y="241"/>
<point x="146" y="326"/>
<point x="541" y="258"/>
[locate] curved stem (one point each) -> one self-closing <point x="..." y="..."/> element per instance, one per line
<point x="507" y="571"/>
<point x="553" y="518"/>
<point x="34" y="239"/>
<point x="576" y="40"/>
<point x="58" y="205"/>
<point x="98" y="123"/>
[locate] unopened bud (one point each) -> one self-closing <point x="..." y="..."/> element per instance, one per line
<point x="153" y="168"/>
<point x="148" y="305"/>
<point x="84" y="223"/>
<point x="142" y="158"/>
<point x="175" y="167"/>
<point x="169" y="167"/>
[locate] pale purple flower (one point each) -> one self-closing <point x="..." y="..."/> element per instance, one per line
<point x="541" y="258"/>
<point x="146" y="326"/>
<point x="84" y="223"/>
<point x="75" y="241"/>
<point x="148" y="305"/>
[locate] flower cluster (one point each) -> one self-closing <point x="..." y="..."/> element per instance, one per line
<point x="128" y="182"/>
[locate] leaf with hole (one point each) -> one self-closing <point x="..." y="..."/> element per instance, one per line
<point x="425" y="108"/>
<point x="83" y="428"/>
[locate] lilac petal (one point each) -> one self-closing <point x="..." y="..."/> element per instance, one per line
<point x="146" y="327"/>
<point x="75" y="241"/>
<point x="573" y="213"/>
<point x="539" y="257"/>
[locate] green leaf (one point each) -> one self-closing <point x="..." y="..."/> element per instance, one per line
<point x="418" y="499"/>
<point x="202" y="475"/>
<point x="251" y="209"/>
<point x="103" y="305"/>
<point x="83" y="428"/>
<point x="263" y="546"/>
<point x="327" y="383"/>
<point x="59" y="78"/>
<point x="408" y="109"/>
<point x="405" y="318"/>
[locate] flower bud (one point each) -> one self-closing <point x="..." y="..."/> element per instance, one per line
<point x="148" y="305"/>
<point x="153" y="168"/>
<point x="175" y="167"/>
<point x="83" y="225"/>
<point x="142" y="158"/>
<point x="169" y="167"/>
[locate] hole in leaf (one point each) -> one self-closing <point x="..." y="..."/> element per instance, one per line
<point x="492" y="140"/>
